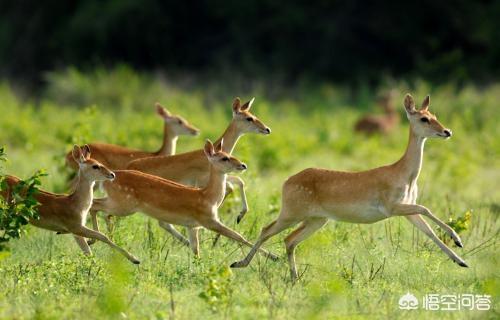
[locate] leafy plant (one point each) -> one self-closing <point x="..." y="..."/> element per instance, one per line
<point x="19" y="207"/>
<point x="217" y="291"/>
<point x="458" y="224"/>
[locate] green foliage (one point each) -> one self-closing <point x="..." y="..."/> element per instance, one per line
<point x="21" y="206"/>
<point x="459" y="224"/>
<point x="218" y="290"/>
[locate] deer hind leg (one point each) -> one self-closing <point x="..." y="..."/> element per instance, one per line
<point x="171" y="229"/>
<point x="89" y="233"/>
<point x="423" y="226"/>
<point x="244" y="203"/>
<point x="218" y="227"/>
<point x="82" y="243"/>
<point x="267" y="232"/>
<point x="304" y="231"/>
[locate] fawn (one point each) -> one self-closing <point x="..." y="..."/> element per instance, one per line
<point x="172" y="203"/>
<point x="68" y="213"/>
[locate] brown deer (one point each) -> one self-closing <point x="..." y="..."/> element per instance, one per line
<point x="173" y="203"/>
<point x="372" y="124"/>
<point x="117" y="157"/>
<point x="314" y="196"/>
<point x="68" y="213"/>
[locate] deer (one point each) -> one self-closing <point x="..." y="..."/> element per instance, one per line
<point x="117" y="157"/>
<point x="172" y="203"/>
<point x="314" y="196"/>
<point x="66" y="214"/>
<point x="383" y="124"/>
<point x="193" y="168"/>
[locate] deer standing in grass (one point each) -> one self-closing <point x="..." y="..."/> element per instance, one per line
<point x="193" y="168"/>
<point x="172" y="203"/>
<point x="372" y="124"/>
<point x="314" y="196"/>
<point x="117" y="157"/>
<point x="68" y="213"/>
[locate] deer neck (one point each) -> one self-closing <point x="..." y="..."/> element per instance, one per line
<point x="169" y="142"/>
<point x="83" y="193"/>
<point x="215" y="189"/>
<point x="410" y="164"/>
<point x="230" y="136"/>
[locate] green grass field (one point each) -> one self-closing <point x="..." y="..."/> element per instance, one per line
<point x="348" y="270"/>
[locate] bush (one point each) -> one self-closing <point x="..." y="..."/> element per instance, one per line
<point x="20" y="208"/>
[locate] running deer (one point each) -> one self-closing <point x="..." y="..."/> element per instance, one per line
<point x="314" y="196"/>
<point x="372" y="124"/>
<point x="193" y="168"/>
<point x="172" y="203"/>
<point x="117" y="157"/>
<point x="68" y="213"/>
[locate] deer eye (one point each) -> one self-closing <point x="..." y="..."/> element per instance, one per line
<point x="426" y="120"/>
<point x="250" y="119"/>
<point x="95" y="166"/>
<point x="225" y="159"/>
<point x="180" y="122"/>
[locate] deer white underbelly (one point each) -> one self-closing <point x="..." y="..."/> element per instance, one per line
<point x="368" y="212"/>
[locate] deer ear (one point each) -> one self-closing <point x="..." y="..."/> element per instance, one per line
<point x="161" y="110"/>
<point x="218" y="147"/>
<point x="426" y="103"/>
<point x="409" y="104"/>
<point x="77" y="154"/>
<point x="236" y="104"/>
<point x="209" y="148"/>
<point x="86" y="151"/>
<point x="247" y="105"/>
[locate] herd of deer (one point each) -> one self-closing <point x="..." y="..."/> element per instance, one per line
<point x="187" y="189"/>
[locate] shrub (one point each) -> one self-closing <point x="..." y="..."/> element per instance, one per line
<point x="21" y="207"/>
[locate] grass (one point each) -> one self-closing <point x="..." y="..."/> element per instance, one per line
<point x="348" y="270"/>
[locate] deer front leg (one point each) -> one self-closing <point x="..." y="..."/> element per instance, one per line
<point x="412" y="213"/>
<point x="109" y="223"/>
<point x="95" y="225"/>
<point x="102" y="204"/>
<point x="411" y="209"/>
<point x="83" y="231"/>
<point x="194" y="241"/>
<point x="82" y="243"/>
<point x="171" y="229"/>
<point x="241" y="185"/>
<point x="420" y="223"/>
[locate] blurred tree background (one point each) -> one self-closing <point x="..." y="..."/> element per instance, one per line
<point x="339" y="41"/>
